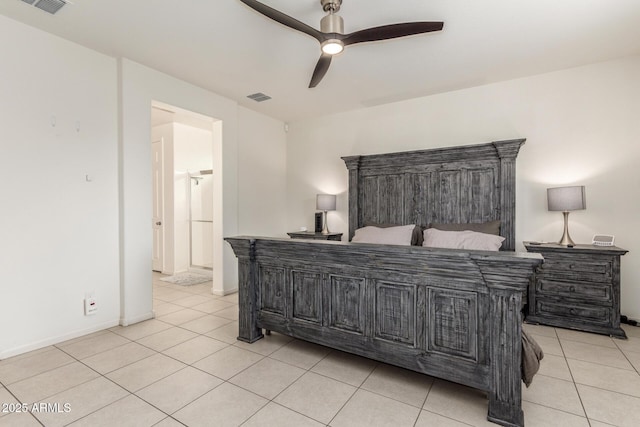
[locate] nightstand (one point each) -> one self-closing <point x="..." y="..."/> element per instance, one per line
<point x="577" y="288"/>
<point x="315" y="236"/>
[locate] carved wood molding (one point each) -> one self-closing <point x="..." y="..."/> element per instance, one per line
<point x="472" y="183"/>
<point x="447" y="313"/>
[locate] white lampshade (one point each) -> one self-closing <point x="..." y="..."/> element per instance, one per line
<point x="326" y="202"/>
<point x="566" y="198"/>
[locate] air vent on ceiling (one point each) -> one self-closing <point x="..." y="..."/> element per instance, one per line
<point x="259" y="97"/>
<point x="51" y="6"/>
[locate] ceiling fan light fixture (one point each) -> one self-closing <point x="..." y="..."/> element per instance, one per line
<point x="332" y="25"/>
<point x="332" y="46"/>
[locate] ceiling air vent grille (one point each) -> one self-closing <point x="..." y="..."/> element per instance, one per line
<point x="259" y="97"/>
<point x="51" y="6"/>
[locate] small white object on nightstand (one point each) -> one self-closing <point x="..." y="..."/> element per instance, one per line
<point x="603" y="240"/>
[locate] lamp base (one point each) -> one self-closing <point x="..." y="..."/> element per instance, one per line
<point x="325" y="228"/>
<point x="566" y="239"/>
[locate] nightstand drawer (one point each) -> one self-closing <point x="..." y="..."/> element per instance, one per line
<point x="592" y="292"/>
<point x="591" y="270"/>
<point x="591" y="314"/>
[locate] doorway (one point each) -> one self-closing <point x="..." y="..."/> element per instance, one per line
<point x="182" y="217"/>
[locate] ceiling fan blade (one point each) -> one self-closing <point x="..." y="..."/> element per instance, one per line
<point x="286" y="20"/>
<point x="391" y="32"/>
<point x="321" y="69"/>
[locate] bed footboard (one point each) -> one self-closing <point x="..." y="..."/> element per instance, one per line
<point x="451" y="314"/>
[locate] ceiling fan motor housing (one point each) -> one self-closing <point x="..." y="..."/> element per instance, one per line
<point x="332" y="24"/>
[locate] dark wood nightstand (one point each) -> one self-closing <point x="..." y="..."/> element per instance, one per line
<point x="315" y="236"/>
<point x="577" y="288"/>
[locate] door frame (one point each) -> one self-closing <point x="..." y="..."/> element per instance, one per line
<point x="157" y="215"/>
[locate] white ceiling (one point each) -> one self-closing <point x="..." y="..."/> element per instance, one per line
<point x="226" y="47"/>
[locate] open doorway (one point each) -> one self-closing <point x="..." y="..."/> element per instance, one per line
<point x="183" y="193"/>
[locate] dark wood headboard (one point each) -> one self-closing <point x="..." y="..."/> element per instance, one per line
<point x="472" y="183"/>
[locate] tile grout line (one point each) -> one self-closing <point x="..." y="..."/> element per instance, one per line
<point x="7" y="385"/>
<point x="134" y="393"/>
<point x="352" y="394"/>
<point x="308" y="370"/>
<point x="567" y="359"/>
<point x="627" y="357"/>
<point x="272" y="400"/>
<point x="20" y="401"/>
<point x="575" y="385"/>
<point x="159" y="352"/>
<point x="561" y="379"/>
<point x="424" y="402"/>
<point x="115" y="383"/>
<point x="263" y="357"/>
<point x="77" y="385"/>
<point x="293" y="382"/>
<point x="195" y="367"/>
<point x="100" y="375"/>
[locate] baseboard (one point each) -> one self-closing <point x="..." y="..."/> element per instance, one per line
<point x="57" y="339"/>
<point x="126" y="321"/>
<point x="224" y="292"/>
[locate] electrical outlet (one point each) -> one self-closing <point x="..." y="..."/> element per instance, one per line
<point x="90" y="305"/>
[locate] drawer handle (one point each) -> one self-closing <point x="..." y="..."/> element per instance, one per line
<point x="572" y="289"/>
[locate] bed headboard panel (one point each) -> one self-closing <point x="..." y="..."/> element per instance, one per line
<point x="473" y="183"/>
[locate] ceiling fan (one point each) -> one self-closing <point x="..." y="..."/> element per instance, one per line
<point x="331" y="35"/>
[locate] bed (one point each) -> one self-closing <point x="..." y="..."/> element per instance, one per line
<point x="450" y="313"/>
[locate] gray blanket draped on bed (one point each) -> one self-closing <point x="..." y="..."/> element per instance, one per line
<point x="531" y="356"/>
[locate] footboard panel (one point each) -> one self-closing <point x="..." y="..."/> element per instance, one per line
<point x="447" y="313"/>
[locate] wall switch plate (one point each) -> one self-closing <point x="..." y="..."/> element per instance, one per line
<point x="90" y="305"/>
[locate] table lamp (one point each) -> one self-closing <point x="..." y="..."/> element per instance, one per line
<point x="566" y="199"/>
<point x="325" y="202"/>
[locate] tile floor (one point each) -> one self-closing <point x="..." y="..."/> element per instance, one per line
<point x="186" y="368"/>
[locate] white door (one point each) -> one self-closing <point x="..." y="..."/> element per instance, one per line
<point x="158" y="203"/>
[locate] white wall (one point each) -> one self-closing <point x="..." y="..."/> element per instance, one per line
<point x="262" y="175"/>
<point x="58" y="231"/>
<point x="61" y="235"/>
<point x="581" y="127"/>
<point x="140" y="86"/>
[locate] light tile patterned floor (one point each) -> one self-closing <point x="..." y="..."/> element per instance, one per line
<point x="186" y="368"/>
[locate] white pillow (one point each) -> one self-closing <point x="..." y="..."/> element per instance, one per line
<point x="400" y="235"/>
<point x="435" y="238"/>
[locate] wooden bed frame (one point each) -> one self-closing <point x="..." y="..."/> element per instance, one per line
<point x="452" y="314"/>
